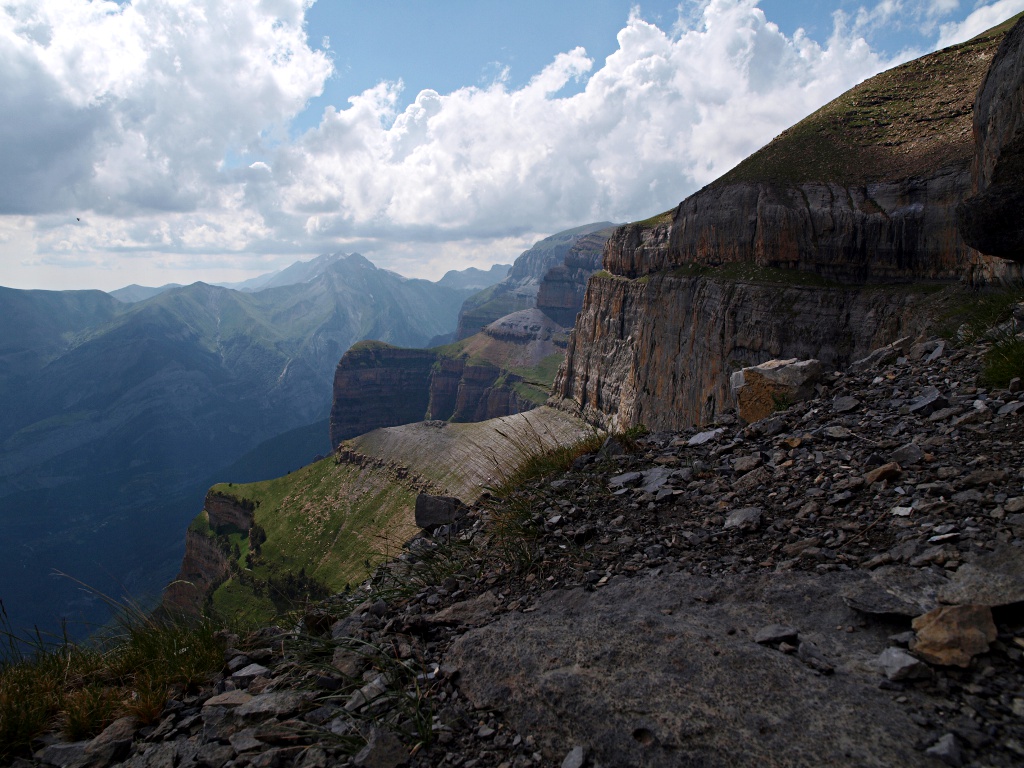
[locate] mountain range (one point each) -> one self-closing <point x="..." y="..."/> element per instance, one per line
<point x="121" y="409"/>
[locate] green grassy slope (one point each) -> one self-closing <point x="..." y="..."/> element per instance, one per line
<point x="906" y="121"/>
<point x="325" y="526"/>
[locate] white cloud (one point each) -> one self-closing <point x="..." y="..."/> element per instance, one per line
<point x="978" y="21"/>
<point x="163" y="125"/>
<point x="664" y="114"/>
<point x="131" y="108"/>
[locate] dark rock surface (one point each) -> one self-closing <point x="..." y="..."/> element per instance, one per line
<point x="990" y="220"/>
<point x="435" y="511"/>
<point x="663" y="670"/>
<point x="377" y="385"/>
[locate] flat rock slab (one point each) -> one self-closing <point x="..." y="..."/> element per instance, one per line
<point x="643" y="673"/>
<point x="478" y="610"/>
<point x="276" y="703"/>
<point x="897" y="590"/>
<point x="993" y="580"/>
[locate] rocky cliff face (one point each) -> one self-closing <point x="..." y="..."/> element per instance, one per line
<point x="823" y="245"/>
<point x="902" y="230"/>
<point x="519" y="289"/>
<point x="659" y="351"/>
<point x="226" y="512"/>
<point x="562" y="289"/>
<point x="377" y="385"/>
<point x="991" y="219"/>
<point x="203" y="568"/>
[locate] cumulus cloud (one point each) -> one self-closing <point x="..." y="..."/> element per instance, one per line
<point x="124" y="109"/>
<point x="167" y="122"/>
<point x="978" y="21"/>
<point x="666" y="113"/>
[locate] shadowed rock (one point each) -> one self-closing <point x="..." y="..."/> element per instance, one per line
<point x="991" y="219"/>
<point x="435" y="511"/>
<point x="641" y="673"/>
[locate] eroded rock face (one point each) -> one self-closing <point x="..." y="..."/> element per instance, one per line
<point x="563" y="288"/>
<point x="660" y="351"/>
<point x="901" y="230"/>
<point x="519" y="290"/>
<point x="991" y="219"/>
<point x="203" y="567"/>
<point x="226" y="511"/>
<point x="377" y="385"/>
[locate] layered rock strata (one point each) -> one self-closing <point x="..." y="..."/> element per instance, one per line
<point x="203" y="567"/>
<point x="378" y="385"/>
<point x="822" y="245"/>
<point x="519" y="290"/>
<point x="991" y="219"/>
<point x="564" y="286"/>
<point x="660" y="351"/>
<point x="226" y="512"/>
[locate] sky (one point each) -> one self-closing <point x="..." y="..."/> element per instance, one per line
<point x="160" y="141"/>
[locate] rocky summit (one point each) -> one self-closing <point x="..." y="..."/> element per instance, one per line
<point x="839" y="583"/>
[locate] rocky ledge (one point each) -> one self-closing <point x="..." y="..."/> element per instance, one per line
<point x="841" y="583"/>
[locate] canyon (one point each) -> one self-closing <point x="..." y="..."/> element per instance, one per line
<point x="504" y="367"/>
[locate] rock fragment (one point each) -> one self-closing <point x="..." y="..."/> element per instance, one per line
<point x="746" y="519"/>
<point x="774" y="634"/>
<point x="953" y="635"/>
<point x="896" y="664"/>
<point x="576" y="758"/>
<point x="435" y="511"/>
<point x="770" y="386"/>
<point x="383" y="750"/>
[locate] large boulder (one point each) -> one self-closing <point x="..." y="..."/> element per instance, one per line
<point x="435" y="511"/>
<point x="991" y="219"/>
<point x="765" y="388"/>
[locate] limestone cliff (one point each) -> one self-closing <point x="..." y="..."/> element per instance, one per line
<point x="563" y="287"/>
<point x="990" y="220"/>
<point x="825" y="243"/>
<point x="378" y="385"/>
<point x="507" y="368"/>
<point x="226" y="512"/>
<point x="203" y="567"/>
<point x="659" y="351"/>
<point x="519" y="289"/>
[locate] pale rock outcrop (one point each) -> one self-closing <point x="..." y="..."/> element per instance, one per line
<point x="765" y="388"/>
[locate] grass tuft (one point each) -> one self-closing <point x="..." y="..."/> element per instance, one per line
<point x="131" y="670"/>
<point x="1004" y="361"/>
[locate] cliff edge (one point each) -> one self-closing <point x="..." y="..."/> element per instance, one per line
<point x="837" y="237"/>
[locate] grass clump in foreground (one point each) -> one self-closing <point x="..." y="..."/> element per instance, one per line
<point x="515" y="518"/>
<point x="81" y="689"/>
<point x="990" y="317"/>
